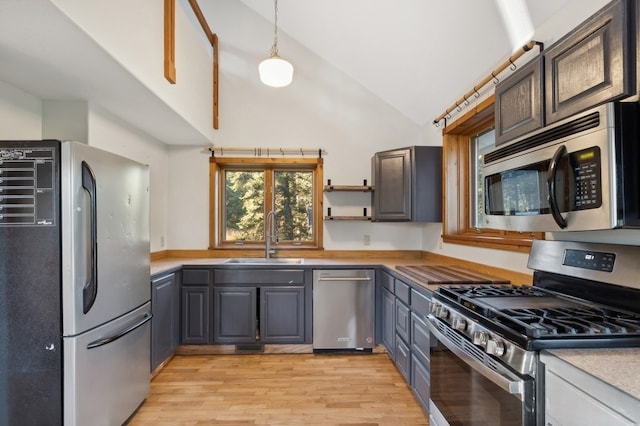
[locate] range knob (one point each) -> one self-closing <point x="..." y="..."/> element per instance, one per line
<point x="443" y="313"/>
<point x="459" y="324"/>
<point x="480" y="338"/>
<point x="434" y="308"/>
<point x="495" y="347"/>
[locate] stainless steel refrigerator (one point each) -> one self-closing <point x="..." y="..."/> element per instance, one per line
<point x="74" y="284"/>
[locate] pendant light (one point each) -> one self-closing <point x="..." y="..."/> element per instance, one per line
<point x="275" y="71"/>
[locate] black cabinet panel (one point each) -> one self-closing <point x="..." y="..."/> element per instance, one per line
<point x="196" y="276"/>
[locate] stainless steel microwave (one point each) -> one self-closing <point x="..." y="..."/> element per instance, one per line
<point x="579" y="174"/>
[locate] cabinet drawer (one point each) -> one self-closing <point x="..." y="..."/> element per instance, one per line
<point x="420" y="340"/>
<point x="403" y="292"/>
<point x="403" y="359"/>
<point x="420" y="381"/>
<point x="403" y="321"/>
<point x="420" y="303"/>
<point x="259" y="276"/>
<point x="196" y="276"/>
<point x="386" y="281"/>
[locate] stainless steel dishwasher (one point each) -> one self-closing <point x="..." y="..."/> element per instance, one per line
<point x="343" y="309"/>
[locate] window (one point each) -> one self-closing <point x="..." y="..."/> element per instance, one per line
<point x="480" y="144"/>
<point x="464" y="143"/>
<point x="245" y="190"/>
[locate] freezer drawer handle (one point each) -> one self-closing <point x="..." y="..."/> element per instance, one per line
<point x="344" y="279"/>
<point x="101" y="342"/>
<point x="90" y="289"/>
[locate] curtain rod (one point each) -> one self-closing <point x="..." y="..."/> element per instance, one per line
<point x="268" y="152"/>
<point x="491" y="77"/>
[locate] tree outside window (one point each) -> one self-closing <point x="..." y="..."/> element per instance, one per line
<point x="246" y="190"/>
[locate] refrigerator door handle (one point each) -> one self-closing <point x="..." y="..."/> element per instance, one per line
<point x="126" y="330"/>
<point x="90" y="289"/>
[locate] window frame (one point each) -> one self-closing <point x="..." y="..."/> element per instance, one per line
<point x="217" y="165"/>
<point x="456" y="142"/>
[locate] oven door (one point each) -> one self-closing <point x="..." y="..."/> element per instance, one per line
<point x="468" y="387"/>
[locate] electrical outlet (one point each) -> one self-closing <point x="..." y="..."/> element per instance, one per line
<point x="162" y="241"/>
<point x="366" y="240"/>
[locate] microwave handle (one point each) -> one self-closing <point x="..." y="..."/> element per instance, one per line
<point x="551" y="184"/>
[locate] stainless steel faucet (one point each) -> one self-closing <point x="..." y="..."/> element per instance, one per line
<point x="270" y="222"/>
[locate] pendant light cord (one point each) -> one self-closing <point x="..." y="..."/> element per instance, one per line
<point x="274" y="48"/>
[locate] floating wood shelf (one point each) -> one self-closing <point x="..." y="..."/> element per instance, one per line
<point x="347" y="218"/>
<point x="352" y="188"/>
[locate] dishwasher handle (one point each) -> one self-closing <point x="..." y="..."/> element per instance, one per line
<point x="344" y="279"/>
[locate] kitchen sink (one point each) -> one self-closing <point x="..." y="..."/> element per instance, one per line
<point x="265" y="261"/>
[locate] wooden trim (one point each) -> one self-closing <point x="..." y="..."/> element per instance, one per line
<point x="508" y="63"/>
<point x="216" y="99"/>
<point x="213" y="39"/>
<point x="170" y="40"/>
<point x="456" y="141"/>
<point x="158" y="255"/>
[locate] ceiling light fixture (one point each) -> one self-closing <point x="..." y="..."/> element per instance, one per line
<point x="275" y="71"/>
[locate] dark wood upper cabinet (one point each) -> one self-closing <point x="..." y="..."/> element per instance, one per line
<point x="593" y="64"/>
<point x="519" y="105"/>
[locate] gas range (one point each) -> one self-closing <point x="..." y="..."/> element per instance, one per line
<point x="583" y="296"/>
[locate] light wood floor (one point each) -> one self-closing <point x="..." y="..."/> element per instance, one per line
<point x="283" y="389"/>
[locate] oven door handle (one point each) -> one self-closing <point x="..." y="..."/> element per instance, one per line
<point x="502" y="379"/>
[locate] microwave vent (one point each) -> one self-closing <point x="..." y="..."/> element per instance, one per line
<point x="578" y="125"/>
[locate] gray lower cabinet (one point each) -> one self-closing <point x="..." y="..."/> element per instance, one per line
<point x="166" y="321"/>
<point x="195" y="312"/>
<point x="404" y="332"/>
<point x="261" y="306"/>
<point x="282" y="314"/>
<point x="234" y="315"/>
<point x="196" y="307"/>
<point x="388" y="321"/>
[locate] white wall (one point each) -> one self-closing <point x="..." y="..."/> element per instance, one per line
<point x="20" y="114"/>
<point x="322" y="108"/>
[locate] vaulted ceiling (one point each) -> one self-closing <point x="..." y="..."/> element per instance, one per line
<point x="417" y="55"/>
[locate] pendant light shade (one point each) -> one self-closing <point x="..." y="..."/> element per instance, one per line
<point x="275" y="71"/>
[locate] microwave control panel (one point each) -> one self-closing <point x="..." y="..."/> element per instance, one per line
<point x="586" y="170"/>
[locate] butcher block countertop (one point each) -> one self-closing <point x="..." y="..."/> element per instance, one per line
<point x="428" y="270"/>
<point x="448" y="274"/>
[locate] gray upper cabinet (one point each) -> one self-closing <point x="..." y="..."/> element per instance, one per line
<point x="519" y="106"/>
<point x="592" y="64"/>
<point x="408" y="184"/>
